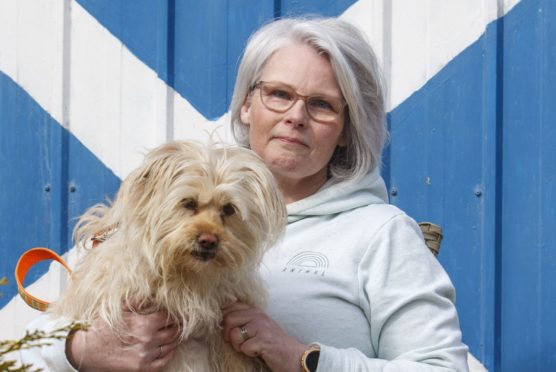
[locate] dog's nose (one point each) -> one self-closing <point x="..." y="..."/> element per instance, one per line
<point x="208" y="241"/>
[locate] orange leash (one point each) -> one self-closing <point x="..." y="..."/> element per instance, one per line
<point x="25" y="262"/>
<point x="35" y="255"/>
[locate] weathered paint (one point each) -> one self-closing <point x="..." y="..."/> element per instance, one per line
<point x="527" y="259"/>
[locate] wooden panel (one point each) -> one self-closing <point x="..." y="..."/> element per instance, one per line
<point x="528" y="259"/>
<point x="31" y="182"/>
<point x="442" y="141"/>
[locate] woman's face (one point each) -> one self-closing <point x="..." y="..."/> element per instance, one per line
<point x="294" y="146"/>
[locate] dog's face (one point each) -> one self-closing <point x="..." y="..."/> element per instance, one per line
<point x="197" y="208"/>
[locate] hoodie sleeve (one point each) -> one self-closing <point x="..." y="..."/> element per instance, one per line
<point x="50" y="357"/>
<point x="408" y="300"/>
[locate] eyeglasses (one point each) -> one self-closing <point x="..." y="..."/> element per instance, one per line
<point x="280" y="97"/>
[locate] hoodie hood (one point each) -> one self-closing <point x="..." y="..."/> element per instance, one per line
<point x="338" y="197"/>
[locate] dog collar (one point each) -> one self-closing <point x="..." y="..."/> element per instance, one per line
<point x="104" y="234"/>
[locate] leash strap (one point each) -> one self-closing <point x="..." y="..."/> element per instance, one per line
<point x="25" y="262"/>
<point x="35" y="255"/>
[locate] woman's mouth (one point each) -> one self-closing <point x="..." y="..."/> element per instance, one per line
<point x="290" y="140"/>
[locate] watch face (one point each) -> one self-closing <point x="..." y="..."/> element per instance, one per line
<point x="312" y="360"/>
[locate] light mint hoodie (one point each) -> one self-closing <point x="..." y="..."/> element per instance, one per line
<point x="353" y="274"/>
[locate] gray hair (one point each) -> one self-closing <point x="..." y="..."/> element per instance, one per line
<point x="357" y="72"/>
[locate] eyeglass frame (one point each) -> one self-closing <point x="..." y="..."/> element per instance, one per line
<point x="297" y="97"/>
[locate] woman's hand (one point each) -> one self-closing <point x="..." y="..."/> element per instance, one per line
<point x="151" y="343"/>
<point x="261" y="337"/>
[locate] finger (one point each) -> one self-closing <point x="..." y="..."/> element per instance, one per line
<point x="168" y="352"/>
<point x="232" y="330"/>
<point x="251" y="348"/>
<point x="238" y="314"/>
<point x="149" y="324"/>
<point x="239" y="335"/>
<point x="168" y="349"/>
<point x="159" y="364"/>
<point x="168" y="335"/>
<point x="236" y="306"/>
<point x="246" y="333"/>
<point x="238" y="319"/>
<point x="160" y="319"/>
<point x="148" y="332"/>
<point x="235" y="339"/>
<point x="158" y="352"/>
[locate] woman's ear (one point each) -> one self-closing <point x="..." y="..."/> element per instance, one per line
<point x="245" y="112"/>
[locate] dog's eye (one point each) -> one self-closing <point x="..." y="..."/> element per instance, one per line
<point x="189" y="204"/>
<point x="228" y="209"/>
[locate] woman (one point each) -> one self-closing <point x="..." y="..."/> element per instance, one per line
<point x="352" y="286"/>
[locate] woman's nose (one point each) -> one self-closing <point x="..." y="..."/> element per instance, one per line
<point x="297" y="114"/>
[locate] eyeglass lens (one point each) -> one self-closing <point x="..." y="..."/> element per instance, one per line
<point x="281" y="97"/>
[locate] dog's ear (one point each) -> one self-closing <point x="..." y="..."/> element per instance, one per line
<point x="269" y="213"/>
<point x="132" y="193"/>
<point x="140" y="188"/>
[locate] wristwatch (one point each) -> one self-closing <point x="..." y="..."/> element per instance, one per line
<point x="310" y="359"/>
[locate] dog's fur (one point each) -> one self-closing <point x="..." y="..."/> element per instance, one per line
<point x="192" y="225"/>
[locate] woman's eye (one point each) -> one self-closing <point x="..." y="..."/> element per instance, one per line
<point x="228" y="209"/>
<point x="280" y="94"/>
<point x="322" y="104"/>
<point x="189" y="204"/>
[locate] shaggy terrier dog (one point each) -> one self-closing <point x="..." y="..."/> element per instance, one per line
<point x="188" y="231"/>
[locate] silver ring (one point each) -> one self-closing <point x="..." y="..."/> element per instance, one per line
<point x="160" y="353"/>
<point x="243" y="333"/>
